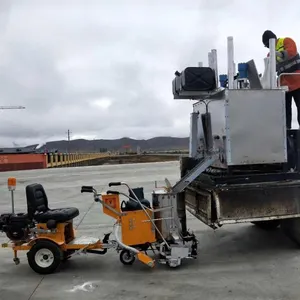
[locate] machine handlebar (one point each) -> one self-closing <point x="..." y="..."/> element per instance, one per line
<point x="114" y="183"/>
<point x="87" y="189"/>
<point x="113" y="192"/>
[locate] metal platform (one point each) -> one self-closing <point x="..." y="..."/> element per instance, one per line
<point x="84" y="240"/>
<point x="216" y="94"/>
<point x="223" y="196"/>
<point x="216" y="205"/>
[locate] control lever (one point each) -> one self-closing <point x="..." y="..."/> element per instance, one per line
<point x="87" y="189"/>
<point x="113" y="192"/>
<point x="114" y="183"/>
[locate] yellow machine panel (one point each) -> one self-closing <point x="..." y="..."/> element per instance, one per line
<point x="137" y="228"/>
<point x="114" y="202"/>
<point x="58" y="235"/>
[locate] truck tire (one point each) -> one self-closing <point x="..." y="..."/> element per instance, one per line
<point x="267" y="225"/>
<point x="291" y="228"/>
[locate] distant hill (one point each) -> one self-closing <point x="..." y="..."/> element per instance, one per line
<point x="154" y="144"/>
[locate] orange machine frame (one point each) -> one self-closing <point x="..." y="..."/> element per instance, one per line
<point x="137" y="228"/>
<point x="62" y="236"/>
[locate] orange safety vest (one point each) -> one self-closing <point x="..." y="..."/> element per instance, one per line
<point x="290" y="63"/>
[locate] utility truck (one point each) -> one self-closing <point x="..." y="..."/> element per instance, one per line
<point x="243" y="164"/>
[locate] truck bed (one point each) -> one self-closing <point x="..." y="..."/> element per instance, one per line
<point x="218" y="198"/>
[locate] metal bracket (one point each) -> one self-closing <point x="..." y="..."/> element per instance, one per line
<point x="200" y="95"/>
<point x="84" y="249"/>
<point x="194" y="173"/>
<point x="36" y="231"/>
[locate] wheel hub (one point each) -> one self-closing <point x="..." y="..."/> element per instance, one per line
<point x="44" y="258"/>
<point x="128" y="257"/>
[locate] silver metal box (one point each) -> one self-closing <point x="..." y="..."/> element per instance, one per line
<point x="250" y="125"/>
<point x="255" y="127"/>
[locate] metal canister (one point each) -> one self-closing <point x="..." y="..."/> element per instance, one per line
<point x="157" y="216"/>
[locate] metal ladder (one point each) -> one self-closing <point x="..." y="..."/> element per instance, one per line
<point x="194" y="173"/>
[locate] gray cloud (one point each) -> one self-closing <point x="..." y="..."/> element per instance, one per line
<point x="104" y="68"/>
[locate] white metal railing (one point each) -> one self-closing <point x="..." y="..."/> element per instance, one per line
<point x="230" y="62"/>
<point x="274" y="82"/>
<point x="272" y="43"/>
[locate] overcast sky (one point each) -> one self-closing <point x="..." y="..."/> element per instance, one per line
<point x="104" y="69"/>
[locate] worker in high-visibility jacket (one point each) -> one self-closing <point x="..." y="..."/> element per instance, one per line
<point x="287" y="61"/>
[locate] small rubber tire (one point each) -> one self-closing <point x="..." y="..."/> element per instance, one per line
<point x="52" y="257"/>
<point x="126" y="257"/>
<point x="267" y="225"/>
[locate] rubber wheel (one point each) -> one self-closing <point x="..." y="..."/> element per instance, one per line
<point x="44" y="257"/>
<point x="127" y="257"/>
<point x="267" y="225"/>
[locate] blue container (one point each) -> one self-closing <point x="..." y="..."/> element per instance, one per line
<point x="223" y="78"/>
<point x="243" y="70"/>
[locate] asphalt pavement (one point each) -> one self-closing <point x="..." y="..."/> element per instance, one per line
<point x="235" y="261"/>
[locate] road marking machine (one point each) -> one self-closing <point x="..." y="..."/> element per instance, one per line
<point x="48" y="235"/>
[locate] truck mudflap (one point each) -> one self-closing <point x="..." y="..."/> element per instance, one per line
<point x="229" y="204"/>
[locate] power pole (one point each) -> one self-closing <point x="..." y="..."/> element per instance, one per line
<point x="69" y="134"/>
<point x="12" y="107"/>
<point x="69" y="139"/>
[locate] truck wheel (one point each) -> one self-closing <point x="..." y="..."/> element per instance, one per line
<point x="267" y="225"/>
<point x="291" y="228"/>
<point x="44" y="257"/>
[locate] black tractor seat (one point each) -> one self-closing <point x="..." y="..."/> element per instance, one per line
<point x="38" y="210"/>
<point x="59" y="214"/>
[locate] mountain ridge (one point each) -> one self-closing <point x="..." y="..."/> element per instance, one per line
<point x="160" y="143"/>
